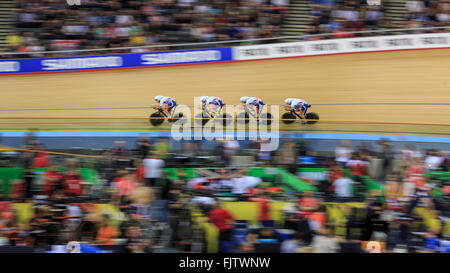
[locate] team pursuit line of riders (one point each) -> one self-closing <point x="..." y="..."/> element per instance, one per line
<point x="253" y="106"/>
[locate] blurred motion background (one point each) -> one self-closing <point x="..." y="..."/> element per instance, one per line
<point x="147" y="193"/>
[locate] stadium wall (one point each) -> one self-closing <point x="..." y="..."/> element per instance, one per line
<point x="227" y="54"/>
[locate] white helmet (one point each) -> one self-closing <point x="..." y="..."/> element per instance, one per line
<point x="288" y="101"/>
<point x="158" y="98"/>
<point x="203" y="98"/>
<point x="244" y="98"/>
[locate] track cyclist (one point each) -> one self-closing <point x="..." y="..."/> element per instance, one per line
<point x="298" y="107"/>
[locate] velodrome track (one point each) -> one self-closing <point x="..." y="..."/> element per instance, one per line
<point x="405" y="92"/>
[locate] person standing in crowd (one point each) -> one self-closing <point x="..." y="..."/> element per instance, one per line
<point x="386" y="156"/>
<point x="124" y="185"/>
<point x="72" y="179"/>
<point x="433" y="160"/>
<point x="163" y="148"/>
<point x="153" y="168"/>
<point x="224" y="221"/>
<point x="288" y="156"/>
<point x="343" y="153"/>
<point x="27" y="156"/>
<point x="343" y="189"/>
<point x="41" y="159"/>
<point x="120" y="155"/>
<point x="143" y="146"/>
<point x="230" y="148"/>
<point x="264" y="209"/>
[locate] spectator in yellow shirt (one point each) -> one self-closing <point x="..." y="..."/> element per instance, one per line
<point x="14" y="39"/>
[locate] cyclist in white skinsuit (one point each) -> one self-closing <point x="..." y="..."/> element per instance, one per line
<point x="252" y="103"/>
<point x="214" y="104"/>
<point x="166" y="104"/>
<point x="298" y="106"/>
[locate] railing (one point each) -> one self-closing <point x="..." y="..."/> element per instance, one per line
<point x="115" y="50"/>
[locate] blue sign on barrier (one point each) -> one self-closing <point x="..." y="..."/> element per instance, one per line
<point x="43" y="65"/>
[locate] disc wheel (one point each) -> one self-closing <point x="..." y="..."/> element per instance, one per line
<point x="313" y="116"/>
<point x="156" y="119"/>
<point x="288" y="118"/>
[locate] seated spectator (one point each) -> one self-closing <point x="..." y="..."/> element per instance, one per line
<point x="325" y="242"/>
<point x="291" y="245"/>
<point x="266" y="235"/>
<point x="13" y="40"/>
<point x="245" y="247"/>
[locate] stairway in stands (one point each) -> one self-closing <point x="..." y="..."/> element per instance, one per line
<point x="298" y="20"/>
<point x="394" y="11"/>
<point x="5" y="20"/>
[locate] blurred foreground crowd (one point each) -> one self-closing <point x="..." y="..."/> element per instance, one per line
<point x="139" y="207"/>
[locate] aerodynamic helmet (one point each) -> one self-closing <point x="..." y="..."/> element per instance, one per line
<point x="203" y="98"/>
<point x="158" y="98"/>
<point x="244" y="98"/>
<point x="288" y="101"/>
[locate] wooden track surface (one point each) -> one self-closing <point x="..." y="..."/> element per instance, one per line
<point x="392" y="87"/>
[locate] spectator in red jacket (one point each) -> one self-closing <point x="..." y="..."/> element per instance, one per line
<point x="358" y="165"/>
<point x="308" y="204"/>
<point x="124" y="185"/>
<point x="264" y="209"/>
<point x="41" y="160"/>
<point x="223" y="220"/>
<point x="71" y="179"/>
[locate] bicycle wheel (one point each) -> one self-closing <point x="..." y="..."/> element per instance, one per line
<point x="313" y="116"/>
<point x="266" y="118"/>
<point x="226" y="119"/>
<point x="243" y="118"/>
<point x="201" y="119"/>
<point x="156" y="119"/>
<point x="176" y="117"/>
<point x="288" y="118"/>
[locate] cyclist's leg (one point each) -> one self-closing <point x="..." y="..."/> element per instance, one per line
<point x="260" y="108"/>
<point x="251" y="112"/>
<point x="172" y="111"/>
<point x="161" y="110"/>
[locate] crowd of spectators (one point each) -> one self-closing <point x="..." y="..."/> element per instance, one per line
<point x="330" y="16"/>
<point x="337" y="17"/>
<point x="54" y="25"/>
<point x="427" y="13"/>
<point x="151" y="211"/>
